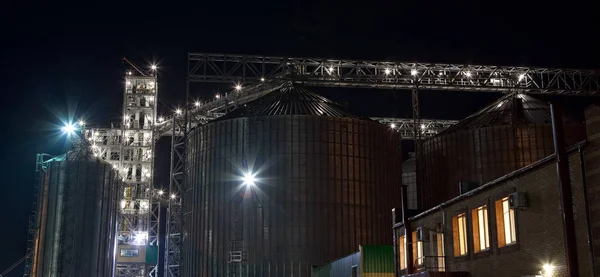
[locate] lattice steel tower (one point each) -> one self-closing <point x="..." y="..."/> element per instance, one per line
<point x="129" y="147"/>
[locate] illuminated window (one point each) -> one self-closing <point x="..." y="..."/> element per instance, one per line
<point x="402" y="250"/>
<point x="505" y="221"/>
<point x="481" y="238"/>
<point x="459" y="234"/>
<point x="129" y="253"/>
<point x="440" y="253"/>
<point x="418" y="250"/>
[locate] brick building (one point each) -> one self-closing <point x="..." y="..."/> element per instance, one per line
<point x="477" y="233"/>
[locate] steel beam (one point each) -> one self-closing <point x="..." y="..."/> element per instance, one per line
<point x="244" y="69"/>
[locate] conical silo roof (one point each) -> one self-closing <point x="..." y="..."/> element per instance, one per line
<point x="509" y="109"/>
<point x="290" y="99"/>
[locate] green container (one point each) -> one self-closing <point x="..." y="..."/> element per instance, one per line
<point x="151" y="254"/>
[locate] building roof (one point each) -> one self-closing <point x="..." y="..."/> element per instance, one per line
<point x="511" y="108"/>
<point x="493" y="183"/>
<point x="290" y="99"/>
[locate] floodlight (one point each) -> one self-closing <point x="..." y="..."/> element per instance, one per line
<point x="69" y="129"/>
<point x="249" y="179"/>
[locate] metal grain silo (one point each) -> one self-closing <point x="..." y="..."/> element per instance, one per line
<point x="75" y="217"/>
<point x="509" y="134"/>
<point x="325" y="183"/>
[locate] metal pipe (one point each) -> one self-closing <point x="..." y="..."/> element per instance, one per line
<point x="564" y="184"/>
<point x="588" y="218"/>
<point x="407" y="233"/>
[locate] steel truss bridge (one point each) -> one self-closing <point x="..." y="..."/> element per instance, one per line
<point x="254" y="76"/>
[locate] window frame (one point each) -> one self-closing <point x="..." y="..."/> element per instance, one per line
<point x="418" y="249"/>
<point x="478" y="223"/>
<point x="501" y="247"/>
<point x="402" y="252"/>
<point x="128" y="250"/>
<point x="456" y="235"/>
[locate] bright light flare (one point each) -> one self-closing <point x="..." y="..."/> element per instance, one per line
<point x="393" y="125"/>
<point x="178" y="111"/>
<point x="161" y="192"/>
<point x="249" y="179"/>
<point x="262" y="79"/>
<point x="69" y="129"/>
<point x="468" y="74"/>
<point x="197" y="103"/>
<point x="140" y="238"/>
<point x="153" y="67"/>
<point x="173" y="196"/>
<point x="81" y="123"/>
<point x="548" y="269"/>
<point x="218" y="96"/>
<point x="161" y="119"/>
<point x="414" y="72"/>
<point x="521" y="76"/>
<point x="423" y="126"/>
<point x="238" y="87"/>
<point x="387" y="71"/>
<point x="129" y="73"/>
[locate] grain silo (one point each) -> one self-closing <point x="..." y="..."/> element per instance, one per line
<point x="75" y="217"/>
<point x="323" y="181"/>
<point x="509" y="134"/>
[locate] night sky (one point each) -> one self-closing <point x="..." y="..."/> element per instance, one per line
<point x="64" y="60"/>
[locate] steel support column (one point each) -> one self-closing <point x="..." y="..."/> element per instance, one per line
<point x="174" y="219"/>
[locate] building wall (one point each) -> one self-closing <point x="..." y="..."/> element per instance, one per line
<point x="339" y="268"/>
<point x="539" y="227"/>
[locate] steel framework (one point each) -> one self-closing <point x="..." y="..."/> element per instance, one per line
<point x="225" y="68"/>
<point x="129" y="147"/>
<point x="174" y="212"/>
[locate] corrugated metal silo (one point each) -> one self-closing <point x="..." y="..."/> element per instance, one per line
<point x="509" y="134"/>
<point x="409" y="179"/>
<point x="76" y="217"/>
<point x="326" y="182"/>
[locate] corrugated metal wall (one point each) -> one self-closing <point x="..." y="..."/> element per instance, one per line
<point x="76" y="218"/>
<point x="326" y="185"/>
<point x="481" y="155"/>
<point x="377" y="260"/>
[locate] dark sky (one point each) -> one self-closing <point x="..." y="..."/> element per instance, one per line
<point x="61" y="59"/>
